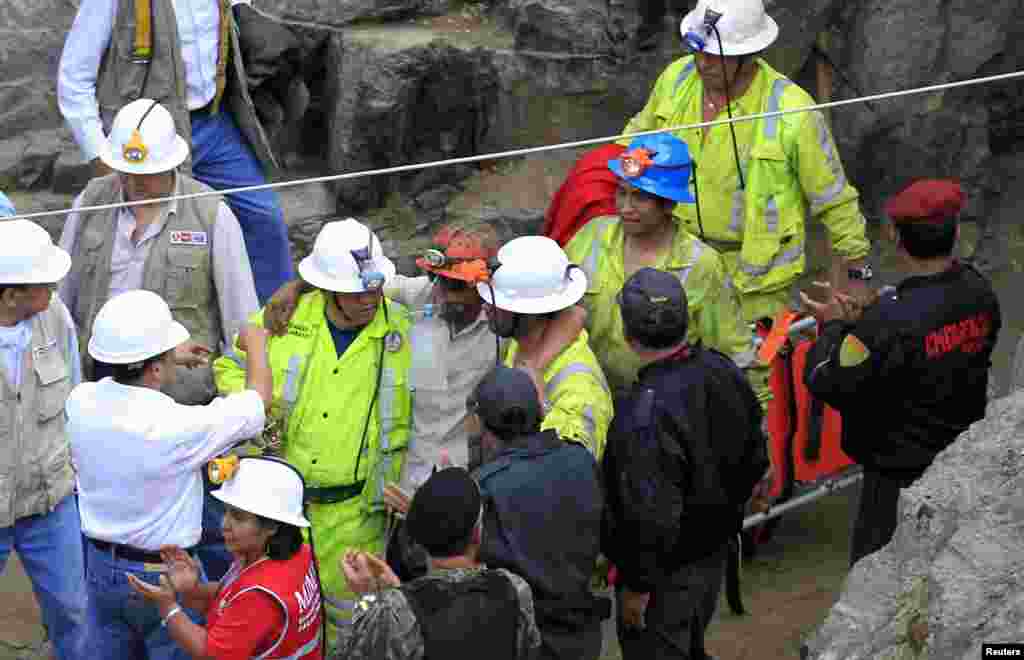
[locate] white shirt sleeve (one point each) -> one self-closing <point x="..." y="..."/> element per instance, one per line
<point x="232" y="275"/>
<point x="68" y="287"/>
<point x="408" y="291"/>
<point x="79" y="67"/>
<point x="212" y="429"/>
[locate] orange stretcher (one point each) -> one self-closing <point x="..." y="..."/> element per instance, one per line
<point x="804" y="444"/>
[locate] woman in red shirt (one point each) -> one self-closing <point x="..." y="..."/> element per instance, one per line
<point x="268" y="605"/>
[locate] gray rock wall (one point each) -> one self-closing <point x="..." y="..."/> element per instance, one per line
<point x="887" y="45"/>
<point x="344" y="12"/>
<point x="393" y="106"/>
<point x="387" y="102"/>
<point x="952" y="577"/>
<point x="31" y="134"/>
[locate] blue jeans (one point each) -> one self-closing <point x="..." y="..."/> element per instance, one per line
<point x="121" y="625"/>
<point x="211" y="550"/>
<point x="50" y="549"/>
<point x="221" y="158"/>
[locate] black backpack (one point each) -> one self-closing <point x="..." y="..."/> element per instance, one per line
<point x="471" y="618"/>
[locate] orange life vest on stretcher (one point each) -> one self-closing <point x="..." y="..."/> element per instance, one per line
<point x="810" y="451"/>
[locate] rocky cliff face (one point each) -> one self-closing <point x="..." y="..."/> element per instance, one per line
<point x="553" y="70"/>
<point x="951" y="578"/>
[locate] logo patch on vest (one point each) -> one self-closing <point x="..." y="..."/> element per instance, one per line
<point x="393" y="342"/>
<point x="188" y="238"/>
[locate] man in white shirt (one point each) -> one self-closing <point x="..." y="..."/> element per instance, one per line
<point x="39" y="365"/>
<point x="139" y="456"/>
<point x="191" y="252"/>
<point x="188" y="56"/>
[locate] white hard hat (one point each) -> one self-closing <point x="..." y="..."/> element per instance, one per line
<point x="28" y="255"/>
<point x="534" y="278"/>
<point x="143" y="140"/>
<point x="346" y="258"/>
<point x="266" y="487"/>
<point x="743" y="25"/>
<point x="134" y="326"/>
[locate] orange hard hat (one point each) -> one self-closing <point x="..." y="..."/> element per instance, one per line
<point x="461" y="252"/>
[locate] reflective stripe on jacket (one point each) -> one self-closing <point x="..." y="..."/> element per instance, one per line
<point x="714" y="307"/>
<point x="578" y="400"/>
<point x="292" y="584"/>
<point x="790" y="168"/>
<point x="325" y="399"/>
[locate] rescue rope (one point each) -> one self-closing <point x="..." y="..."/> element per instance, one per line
<point x="513" y="153"/>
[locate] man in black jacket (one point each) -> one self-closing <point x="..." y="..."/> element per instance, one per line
<point x="909" y="373"/>
<point x="684" y="450"/>
<point x="542" y="512"/>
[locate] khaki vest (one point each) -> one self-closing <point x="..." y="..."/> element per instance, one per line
<point x="34" y="449"/>
<point x="182" y="274"/>
<point x="124" y="78"/>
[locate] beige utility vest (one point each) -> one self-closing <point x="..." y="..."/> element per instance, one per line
<point x="179" y="270"/>
<point x="35" y="456"/>
<point x="144" y="60"/>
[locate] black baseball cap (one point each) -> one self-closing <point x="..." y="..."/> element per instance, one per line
<point x="444" y="511"/>
<point x="654" y="308"/>
<point x="506" y="401"/>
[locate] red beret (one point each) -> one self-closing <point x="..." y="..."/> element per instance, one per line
<point x="928" y="200"/>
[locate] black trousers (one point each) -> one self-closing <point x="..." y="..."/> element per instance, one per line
<point x="558" y="643"/>
<point x="877" y="513"/>
<point x="678" y="613"/>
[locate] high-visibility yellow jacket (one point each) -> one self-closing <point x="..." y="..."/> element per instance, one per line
<point x="714" y="310"/>
<point x="578" y="402"/>
<point x="790" y="167"/>
<point x="325" y="402"/>
<point x="326" y="399"/>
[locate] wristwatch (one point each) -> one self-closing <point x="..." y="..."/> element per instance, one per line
<point x="863" y="273"/>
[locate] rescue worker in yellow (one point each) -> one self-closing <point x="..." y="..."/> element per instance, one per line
<point x="533" y="281"/>
<point x="755" y="181"/>
<point x="341" y="395"/>
<point x="653" y="176"/>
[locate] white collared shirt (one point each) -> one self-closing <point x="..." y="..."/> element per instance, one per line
<point x="139" y="456"/>
<point x="232" y="274"/>
<point x="16" y="339"/>
<point x="439" y="408"/>
<point x="198" y="31"/>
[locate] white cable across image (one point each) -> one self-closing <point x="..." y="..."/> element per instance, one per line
<point x="513" y="153"/>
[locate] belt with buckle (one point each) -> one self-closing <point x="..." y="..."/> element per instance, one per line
<point x="334" y="494"/>
<point x="128" y="552"/>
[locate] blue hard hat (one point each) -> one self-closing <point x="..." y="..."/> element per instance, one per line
<point x="659" y="164"/>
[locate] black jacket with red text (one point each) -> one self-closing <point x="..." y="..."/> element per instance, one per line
<point x="917" y="377"/>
